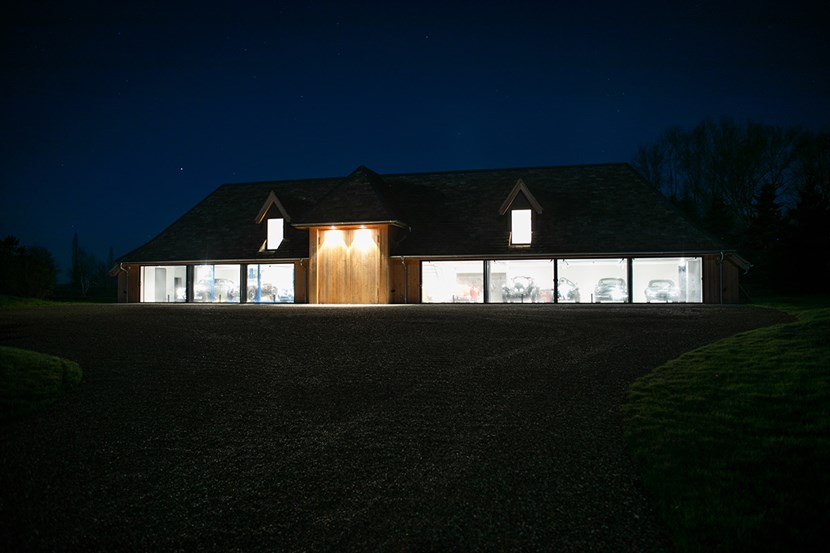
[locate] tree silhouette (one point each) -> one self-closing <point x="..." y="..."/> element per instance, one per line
<point x="27" y="272"/>
<point x="761" y="188"/>
<point x="84" y="270"/>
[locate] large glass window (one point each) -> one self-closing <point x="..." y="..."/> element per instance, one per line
<point x="667" y="279"/>
<point x="592" y="280"/>
<point x="452" y="281"/>
<point x="216" y="283"/>
<point x="166" y="283"/>
<point x="271" y="283"/>
<point x="521" y="281"/>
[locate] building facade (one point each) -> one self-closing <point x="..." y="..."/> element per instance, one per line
<point x="578" y="234"/>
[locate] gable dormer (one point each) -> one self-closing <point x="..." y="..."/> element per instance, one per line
<point x="275" y="217"/>
<point x="522" y="205"/>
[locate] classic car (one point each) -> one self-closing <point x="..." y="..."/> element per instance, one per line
<point x="567" y="291"/>
<point x="219" y="289"/>
<point x="520" y="289"/>
<point x="662" y="290"/>
<point x="611" y="289"/>
<point x="269" y="293"/>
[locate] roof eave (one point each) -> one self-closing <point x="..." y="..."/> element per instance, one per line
<point x="395" y="223"/>
<point x="567" y="255"/>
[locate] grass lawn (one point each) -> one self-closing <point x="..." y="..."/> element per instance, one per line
<point x="733" y="439"/>
<point x="8" y="302"/>
<point x="30" y="381"/>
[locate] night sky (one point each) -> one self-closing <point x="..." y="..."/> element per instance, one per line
<point x="117" y="120"/>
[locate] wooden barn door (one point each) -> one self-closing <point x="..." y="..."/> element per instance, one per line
<point x="351" y="266"/>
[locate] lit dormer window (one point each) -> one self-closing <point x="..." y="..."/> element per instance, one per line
<point x="521" y="204"/>
<point x="520" y="226"/>
<point x="275" y="233"/>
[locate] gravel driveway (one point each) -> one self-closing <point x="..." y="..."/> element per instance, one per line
<point x="247" y="428"/>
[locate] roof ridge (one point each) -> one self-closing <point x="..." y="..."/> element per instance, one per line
<point x="417" y="173"/>
<point x="363" y="190"/>
<point x="506" y="169"/>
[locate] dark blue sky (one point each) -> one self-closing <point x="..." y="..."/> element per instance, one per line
<point x="116" y="120"/>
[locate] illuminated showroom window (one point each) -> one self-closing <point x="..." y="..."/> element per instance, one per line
<point x="520" y="226"/>
<point x="521" y="281"/>
<point x="271" y="283"/>
<point x="216" y="283"/>
<point x="166" y="283"/>
<point x="452" y="282"/>
<point x="667" y="280"/>
<point x="276" y="230"/>
<point x="592" y="280"/>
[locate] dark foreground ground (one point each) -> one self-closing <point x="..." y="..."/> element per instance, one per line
<point x="246" y="428"/>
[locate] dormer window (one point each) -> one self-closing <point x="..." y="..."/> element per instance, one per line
<point x="520" y="226"/>
<point x="275" y="217"/>
<point x="276" y="232"/>
<point x="521" y="204"/>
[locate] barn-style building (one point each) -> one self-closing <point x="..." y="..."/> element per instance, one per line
<point x="575" y="234"/>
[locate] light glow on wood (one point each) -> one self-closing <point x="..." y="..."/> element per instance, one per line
<point x="349" y="265"/>
<point x="363" y="239"/>
<point x="333" y="239"/>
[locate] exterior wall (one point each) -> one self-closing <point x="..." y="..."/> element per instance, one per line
<point x="396" y="280"/>
<point x="349" y="265"/>
<point x="129" y="289"/>
<point x="413" y="281"/>
<point x="721" y="280"/>
<point x="731" y="283"/>
<point x="301" y="281"/>
<point x="404" y="280"/>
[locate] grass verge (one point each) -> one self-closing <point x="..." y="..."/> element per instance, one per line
<point x="733" y="439"/>
<point x="30" y="381"/>
<point x="8" y="302"/>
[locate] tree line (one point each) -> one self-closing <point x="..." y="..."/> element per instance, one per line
<point x="32" y="272"/>
<point x="761" y="189"/>
<point x="26" y="271"/>
<point x="86" y="272"/>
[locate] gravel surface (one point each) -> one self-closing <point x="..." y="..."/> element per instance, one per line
<point x="247" y="428"/>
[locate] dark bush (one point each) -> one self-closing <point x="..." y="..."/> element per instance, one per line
<point x="26" y="272"/>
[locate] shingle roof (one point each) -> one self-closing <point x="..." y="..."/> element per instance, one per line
<point x="362" y="197"/>
<point x="223" y="227"/>
<point x="587" y="210"/>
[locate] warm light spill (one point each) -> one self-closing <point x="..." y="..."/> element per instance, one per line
<point x="363" y="239"/>
<point x="333" y="239"/>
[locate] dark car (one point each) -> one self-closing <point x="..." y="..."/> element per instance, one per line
<point x="662" y="290"/>
<point x="567" y="291"/>
<point x="520" y="289"/>
<point x="611" y="289"/>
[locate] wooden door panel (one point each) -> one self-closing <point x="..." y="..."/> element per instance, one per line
<point x="349" y="266"/>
